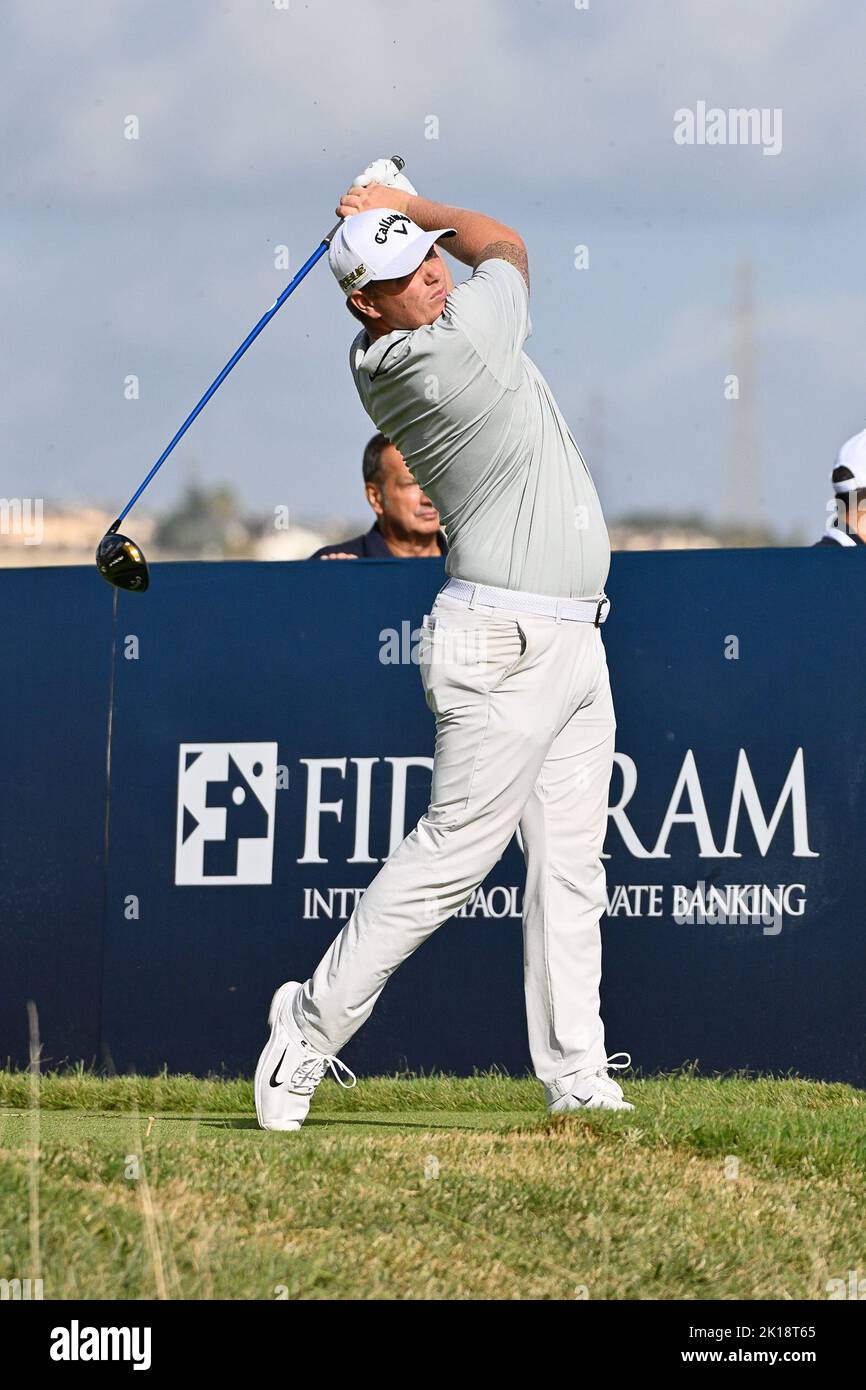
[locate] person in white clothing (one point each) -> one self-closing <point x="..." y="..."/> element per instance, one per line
<point x="846" y="512"/>
<point x="512" y="659"/>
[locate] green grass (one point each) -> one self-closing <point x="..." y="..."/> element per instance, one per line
<point x="434" y="1187"/>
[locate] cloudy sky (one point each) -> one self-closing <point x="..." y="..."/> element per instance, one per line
<point x="154" y="257"/>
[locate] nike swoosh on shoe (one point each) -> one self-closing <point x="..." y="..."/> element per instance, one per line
<point x="274" y="1080"/>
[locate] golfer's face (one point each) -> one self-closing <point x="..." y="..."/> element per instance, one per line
<point x="417" y="298"/>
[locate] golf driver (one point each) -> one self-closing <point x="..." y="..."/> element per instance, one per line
<point x="118" y="558"/>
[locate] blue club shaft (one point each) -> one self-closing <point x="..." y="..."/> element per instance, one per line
<point x="251" y="337"/>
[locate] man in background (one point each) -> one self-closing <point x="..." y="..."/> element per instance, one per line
<point x="407" y="523"/>
<point x="846" y="511"/>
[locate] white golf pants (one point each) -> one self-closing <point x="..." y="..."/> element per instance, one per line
<point x="524" y="737"/>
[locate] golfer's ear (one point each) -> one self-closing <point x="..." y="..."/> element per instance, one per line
<point x="363" y="307"/>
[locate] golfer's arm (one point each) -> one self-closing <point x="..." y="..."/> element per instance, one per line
<point x="478" y="237"/>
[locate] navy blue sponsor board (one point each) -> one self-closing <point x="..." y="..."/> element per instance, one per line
<point x="55" y="670"/>
<point x="271" y="744"/>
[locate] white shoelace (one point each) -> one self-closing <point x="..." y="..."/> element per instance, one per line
<point x="313" y="1068"/>
<point x="611" y="1086"/>
<point x="617" y="1066"/>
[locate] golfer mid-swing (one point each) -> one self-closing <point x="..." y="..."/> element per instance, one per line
<point x="511" y="656"/>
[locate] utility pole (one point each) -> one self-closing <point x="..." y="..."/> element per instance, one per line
<point x="745" y="504"/>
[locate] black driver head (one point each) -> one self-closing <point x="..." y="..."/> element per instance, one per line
<point x="120" y="561"/>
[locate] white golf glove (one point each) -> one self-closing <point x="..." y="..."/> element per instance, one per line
<point x="384" y="171"/>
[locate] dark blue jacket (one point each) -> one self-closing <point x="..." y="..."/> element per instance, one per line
<point x="371" y="546"/>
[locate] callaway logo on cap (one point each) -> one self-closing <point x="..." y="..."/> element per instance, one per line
<point x="379" y="245"/>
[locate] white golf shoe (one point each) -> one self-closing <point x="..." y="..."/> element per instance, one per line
<point x="595" y="1091"/>
<point x="290" y="1069"/>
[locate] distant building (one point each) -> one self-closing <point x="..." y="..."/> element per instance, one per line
<point x="296" y="543"/>
<point x="66" y="535"/>
<point x="673" y="537"/>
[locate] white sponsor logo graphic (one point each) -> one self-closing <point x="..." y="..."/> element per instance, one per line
<point x="342" y="795"/>
<point x="226" y="796"/>
<point x="340" y="802"/>
<point x="497" y="901"/>
<point x="225" y="831"/>
<point x="745" y="805"/>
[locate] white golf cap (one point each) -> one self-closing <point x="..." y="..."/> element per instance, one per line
<point x="378" y="245"/>
<point x="849" y="470"/>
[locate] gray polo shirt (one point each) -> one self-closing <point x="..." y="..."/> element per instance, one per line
<point x="480" y="431"/>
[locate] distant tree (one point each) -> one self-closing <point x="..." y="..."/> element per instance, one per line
<point x="204" y="524"/>
<point x="732" y="534"/>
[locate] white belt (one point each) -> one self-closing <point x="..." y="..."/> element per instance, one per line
<point x="578" y="610"/>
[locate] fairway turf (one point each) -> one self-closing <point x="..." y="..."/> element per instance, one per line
<point x="434" y="1188"/>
